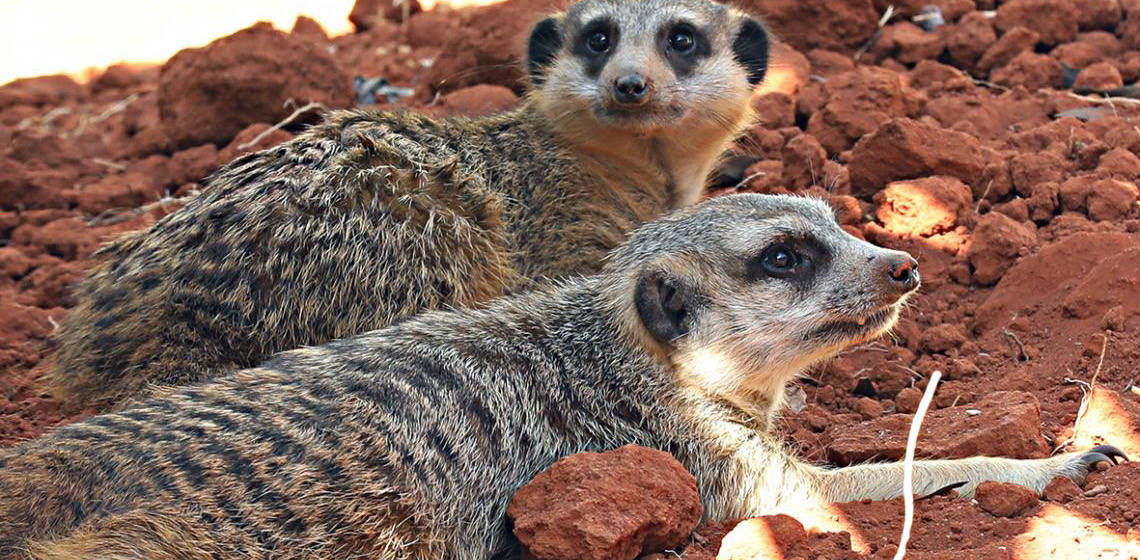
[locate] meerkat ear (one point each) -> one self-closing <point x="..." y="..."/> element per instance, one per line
<point x="543" y="46"/>
<point x="663" y="305"/>
<point x="751" y="49"/>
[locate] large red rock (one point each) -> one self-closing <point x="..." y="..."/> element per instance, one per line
<point x="1047" y="276"/>
<point x="998" y="242"/>
<point x="1009" y="425"/>
<point x="209" y="94"/>
<point x="856" y="103"/>
<point x="922" y="207"/>
<point x="616" y="505"/>
<point x="486" y="46"/>
<point x="907" y="149"/>
<point x="1055" y="21"/>
<point x="1003" y="499"/>
<point x="838" y="25"/>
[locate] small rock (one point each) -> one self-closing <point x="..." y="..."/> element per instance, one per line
<point x="998" y="242"/>
<point x="1062" y="490"/>
<point x="1111" y="199"/>
<point x="907" y="400"/>
<point x="970" y="38"/>
<point x="1031" y="71"/>
<point x="1101" y="76"/>
<point x="869" y="408"/>
<point x="944" y="337"/>
<point x="1119" y="163"/>
<point x="1012" y="43"/>
<point x="1055" y="21"/>
<point x="1095" y="491"/>
<point x="1097" y="14"/>
<point x="803" y="158"/>
<point x="622" y="504"/>
<point x="1003" y="499"/>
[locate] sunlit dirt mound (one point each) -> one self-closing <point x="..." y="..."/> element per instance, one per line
<point x="952" y="132"/>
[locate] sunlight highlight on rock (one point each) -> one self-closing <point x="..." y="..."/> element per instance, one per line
<point x="1057" y="533"/>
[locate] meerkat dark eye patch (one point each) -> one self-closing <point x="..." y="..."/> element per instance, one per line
<point x="794" y="261"/>
<point x="545" y="42"/>
<point x="683" y="46"/>
<point x="596" y="42"/>
<point x="751" y="50"/>
<point x="666" y="306"/>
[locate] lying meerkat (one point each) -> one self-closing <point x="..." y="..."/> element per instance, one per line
<point x="372" y="217"/>
<point x="409" y="442"/>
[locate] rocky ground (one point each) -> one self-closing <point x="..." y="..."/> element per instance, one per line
<point x="971" y="133"/>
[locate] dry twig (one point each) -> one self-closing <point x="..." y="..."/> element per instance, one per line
<point x="908" y="462"/>
<point x="282" y="123"/>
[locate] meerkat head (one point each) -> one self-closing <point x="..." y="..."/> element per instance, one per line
<point x="742" y="292"/>
<point x="646" y="66"/>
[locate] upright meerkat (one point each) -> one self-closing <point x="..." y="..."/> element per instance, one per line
<point x="409" y="442"/>
<point x="372" y="217"/>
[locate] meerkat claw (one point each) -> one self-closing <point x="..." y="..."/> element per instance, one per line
<point x="1105" y="453"/>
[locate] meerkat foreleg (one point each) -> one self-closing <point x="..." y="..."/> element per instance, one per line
<point x="885" y="480"/>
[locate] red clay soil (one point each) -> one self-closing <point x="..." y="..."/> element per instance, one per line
<point x="960" y="145"/>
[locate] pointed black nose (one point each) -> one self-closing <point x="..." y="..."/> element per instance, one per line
<point x="631" y="90"/>
<point x="902" y="270"/>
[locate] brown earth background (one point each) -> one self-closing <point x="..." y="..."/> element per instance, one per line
<point x="971" y="133"/>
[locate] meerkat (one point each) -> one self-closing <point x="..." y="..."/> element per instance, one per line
<point x="373" y="217"/>
<point x="409" y="442"/>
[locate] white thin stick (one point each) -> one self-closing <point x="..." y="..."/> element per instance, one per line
<point x="908" y="463"/>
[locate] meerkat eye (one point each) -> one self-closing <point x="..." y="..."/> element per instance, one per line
<point x="780" y="261"/>
<point x="598" y="42"/>
<point x="682" y="40"/>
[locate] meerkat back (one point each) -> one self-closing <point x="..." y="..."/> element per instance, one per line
<point x="372" y="217"/>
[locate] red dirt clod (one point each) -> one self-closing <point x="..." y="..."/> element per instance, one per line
<point x="1009" y="426"/>
<point x="1061" y="489"/>
<point x="1012" y="43"/>
<point x="922" y="207"/>
<point x="209" y="94"/>
<point x="1055" y="21"/>
<point x="1101" y="76"/>
<point x="908" y="149"/>
<point x="1031" y="71"/>
<point x="1003" y="499"/>
<point x="998" y="242"/>
<point x="606" y="506"/>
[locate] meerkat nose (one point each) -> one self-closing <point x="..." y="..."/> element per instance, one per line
<point x="631" y="90"/>
<point x="902" y="271"/>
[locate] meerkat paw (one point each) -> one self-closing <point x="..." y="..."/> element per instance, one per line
<point x="1078" y="465"/>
